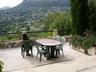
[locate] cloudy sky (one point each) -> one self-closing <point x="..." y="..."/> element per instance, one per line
<point x="10" y="3"/>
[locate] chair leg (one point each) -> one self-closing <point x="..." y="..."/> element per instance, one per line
<point x="37" y="55"/>
<point x="23" y="53"/>
<point x="32" y="52"/>
<point x="62" y="52"/>
<point x="57" y="52"/>
<point x="40" y="56"/>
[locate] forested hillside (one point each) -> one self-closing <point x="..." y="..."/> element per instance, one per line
<point x="29" y="14"/>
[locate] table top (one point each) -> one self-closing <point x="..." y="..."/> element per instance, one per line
<point x="48" y="42"/>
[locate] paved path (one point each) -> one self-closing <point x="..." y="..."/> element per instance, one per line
<point x="79" y="63"/>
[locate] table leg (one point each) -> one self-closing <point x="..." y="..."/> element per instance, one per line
<point x="52" y="51"/>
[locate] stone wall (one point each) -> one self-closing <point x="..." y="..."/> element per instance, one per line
<point x="10" y="44"/>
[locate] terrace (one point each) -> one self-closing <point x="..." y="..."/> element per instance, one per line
<point x="10" y="54"/>
<point x="73" y="60"/>
<point x="83" y="24"/>
<point x="10" y="51"/>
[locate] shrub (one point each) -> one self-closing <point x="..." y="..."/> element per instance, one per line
<point x="82" y="42"/>
<point x="86" y="44"/>
<point x="1" y="66"/>
<point x="76" y="41"/>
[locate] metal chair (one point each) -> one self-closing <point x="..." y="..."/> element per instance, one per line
<point x="26" y="45"/>
<point x="60" y="47"/>
<point x="41" y="50"/>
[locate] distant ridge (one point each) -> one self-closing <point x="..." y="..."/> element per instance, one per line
<point x="5" y="7"/>
<point x="29" y="12"/>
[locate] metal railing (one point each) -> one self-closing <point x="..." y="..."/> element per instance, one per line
<point x="13" y="39"/>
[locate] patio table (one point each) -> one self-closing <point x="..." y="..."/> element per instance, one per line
<point x="50" y="45"/>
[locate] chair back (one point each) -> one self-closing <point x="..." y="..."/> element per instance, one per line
<point x="27" y="45"/>
<point x="62" y="40"/>
<point x="37" y="46"/>
<point x="56" y="38"/>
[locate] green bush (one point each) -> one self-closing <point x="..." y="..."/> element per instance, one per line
<point x="86" y="44"/>
<point x="76" y="41"/>
<point x="83" y="42"/>
<point x="1" y="66"/>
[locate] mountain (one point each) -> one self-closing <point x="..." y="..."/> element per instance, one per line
<point x="5" y="7"/>
<point x="29" y="13"/>
<point x="47" y="2"/>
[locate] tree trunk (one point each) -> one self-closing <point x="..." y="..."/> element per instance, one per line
<point x="95" y="50"/>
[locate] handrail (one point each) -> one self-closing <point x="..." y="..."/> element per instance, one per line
<point x="35" y="31"/>
<point x="27" y="32"/>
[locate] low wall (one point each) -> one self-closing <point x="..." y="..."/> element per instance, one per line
<point x="10" y="44"/>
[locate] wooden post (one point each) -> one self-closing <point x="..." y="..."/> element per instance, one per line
<point x="55" y="33"/>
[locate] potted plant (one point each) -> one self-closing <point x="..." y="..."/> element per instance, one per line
<point x="86" y="44"/>
<point x="1" y="66"/>
<point x="73" y="41"/>
<point x="76" y="41"/>
<point x="94" y="43"/>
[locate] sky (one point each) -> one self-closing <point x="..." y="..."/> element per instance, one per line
<point x="10" y="3"/>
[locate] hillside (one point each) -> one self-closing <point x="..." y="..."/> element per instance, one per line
<point x="29" y="13"/>
<point x="4" y="8"/>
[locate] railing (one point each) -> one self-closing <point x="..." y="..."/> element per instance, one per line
<point x="33" y="34"/>
<point x="13" y="39"/>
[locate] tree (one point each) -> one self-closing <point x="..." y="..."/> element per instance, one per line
<point x="58" y="20"/>
<point x="80" y="16"/>
<point x="92" y="6"/>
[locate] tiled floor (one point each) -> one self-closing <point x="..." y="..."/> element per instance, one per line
<point x="14" y="61"/>
<point x="73" y="61"/>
